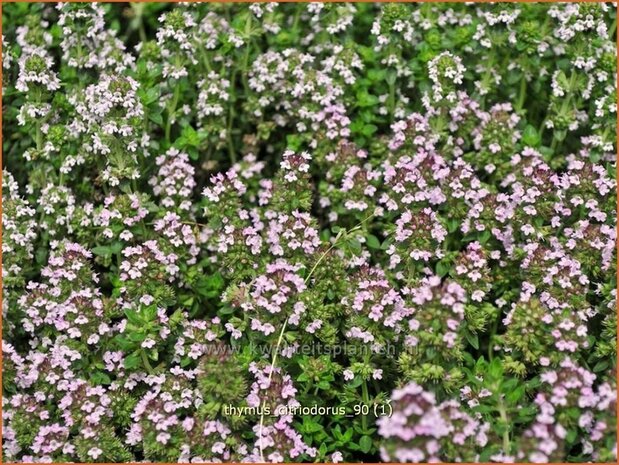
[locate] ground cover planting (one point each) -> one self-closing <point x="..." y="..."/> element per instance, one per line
<point x="309" y="232"/>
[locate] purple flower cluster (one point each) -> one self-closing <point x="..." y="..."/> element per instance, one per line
<point x="569" y="397"/>
<point x="422" y="430"/>
<point x="277" y="441"/>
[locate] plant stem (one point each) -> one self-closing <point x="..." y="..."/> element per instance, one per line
<point x="142" y="31"/>
<point x="171" y="110"/>
<point x="39" y="136"/>
<point x="231" y="118"/>
<point x="229" y="138"/>
<point x="522" y="93"/>
<point x="147" y="364"/>
<point x="495" y="325"/>
<point x="392" y="101"/>
<point x="279" y="341"/>
<point x="281" y="333"/>
<point x="295" y="22"/>
<point x="365" y="394"/>
<point x="246" y="69"/>
<point x="366" y="401"/>
<point x="553" y="144"/>
<point x="207" y="62"/>
<point x="542" y="126"/>
<point x="505" y="420"/>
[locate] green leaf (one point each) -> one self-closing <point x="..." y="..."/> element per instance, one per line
<point x="484" y="237"/>
<point x="193" y="153"/>
<point x="495" y="368"/>
<point x="510" y="384"/>
<point x="210" y="286"/>
<point x="189" y="138"/>
<point x="102" y="250"/>
<point x="310" y="425"/>
<point x="369" y="129"/>
<point x="176" y="317"/>
<point x="364" y="99"/>
<point x="226" y="310"/>
<point x="116" y="247"/>
<point x="293" y="142"/>
<point x="156" y="117"/>
<point x="560" y="134"/>
<point x="513" y="396"/>
<point x="137" y="336"/>
<point x="442" y="268"/>
<point x="365" y="444"/>
<point x="324" y="385"/>
<point x="149" y="313"/>
<point x="357" y="125"/>
<point x="134" y="317"/>
<point x="530" y="137"/>
<point x="391" y="77"/>
<point x="595" y="156"/>
<point x="452" y="225"/>
<point x="123" y="343"/>
<point x="571" y="436"/>
<point x="132" y="361"/>
<point x="372" y="241"/>
<point x="473" y="339"/>
<point x="354" y="245"/>
<point x="376" y="74"/>
<point x="386" y="243"/>
<point x="99" y="377"/>
<point x="600" y="366"/>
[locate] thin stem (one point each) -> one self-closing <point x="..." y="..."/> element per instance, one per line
<point x="231" y="116"/>
<point x="553" y="144"/>
<point x="39" y="136"/>
<point x="207" y="62"/>
<point x="365" y="394"/>
<point x="231" y="149"/>
<point x="505" y="420"/>
<point x="171" y="110"/>
<point x="246" y="69"/>
<point x="323" y="256"/>
<point x="141" y="30"/>
<point x="491" y="339"/>
<point x="281" y="333"/>
<point x="279" y="341"/>
<point x="295" y="23"/>
<point x="486" y="80"/>
<point x="191" y="222"/>
<point x="392" y="101"/>
<point x="366" y="401"/>
<point x="281" y="337"/>
<point x="522" y="93"/>
<point x="542" y="127"/>
<point x="138" y="11"/>
<point x="147" y="364"/>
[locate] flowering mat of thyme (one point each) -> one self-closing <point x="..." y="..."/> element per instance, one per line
<point x="309" y="232"/>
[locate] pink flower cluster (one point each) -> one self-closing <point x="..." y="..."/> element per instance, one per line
<point x="422" y="430"/>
